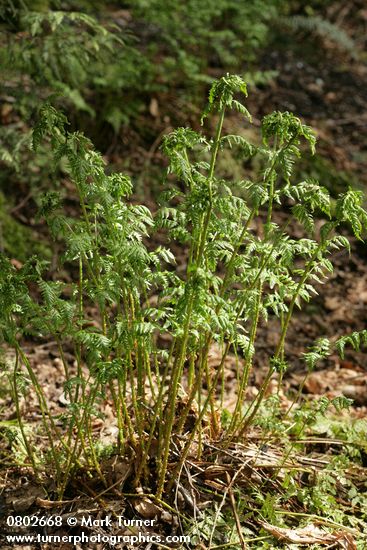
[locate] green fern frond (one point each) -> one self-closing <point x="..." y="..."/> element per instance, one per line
<point x="324" y="28"/>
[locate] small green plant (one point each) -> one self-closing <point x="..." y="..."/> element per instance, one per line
<point x="232" y="278"/>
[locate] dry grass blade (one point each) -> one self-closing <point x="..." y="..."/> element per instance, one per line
<point x="235" y="514"/>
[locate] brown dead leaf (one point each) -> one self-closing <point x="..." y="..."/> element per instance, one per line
<point x="117" y="470"/>
<point x="349" y="382"/>
<point x="6" y="111"/>
<point x="146" y="508"/>
<point x="315" y="384"/>
<point x="334" y="302"/>
<point x="21" y="502"/>
<point x="16" y="263"/>
<point x="154" y="108"/>
<point x="166" y="517"/>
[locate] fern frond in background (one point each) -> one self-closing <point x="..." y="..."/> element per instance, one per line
<point x="323" y="28"/>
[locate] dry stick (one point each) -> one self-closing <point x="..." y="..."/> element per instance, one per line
<point x="96" y="497"/>
<point x="225" y="492"/>
<point x="231" y="544"/>
<point x="188" y="499"/>
<point x="235" y="513"/>
<point x="108" y="489"/>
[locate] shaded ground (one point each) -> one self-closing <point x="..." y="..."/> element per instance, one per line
<point x="328" y="91"/>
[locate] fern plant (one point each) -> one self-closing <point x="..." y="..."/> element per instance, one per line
<point x="323" y="28"/>
<point x="233" y="278"/>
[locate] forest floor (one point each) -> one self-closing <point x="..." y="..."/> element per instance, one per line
<point x="329" y="93"/>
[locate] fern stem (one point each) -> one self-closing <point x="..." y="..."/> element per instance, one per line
<point x="255" y="406"/>
<point x="19" y="417"/>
